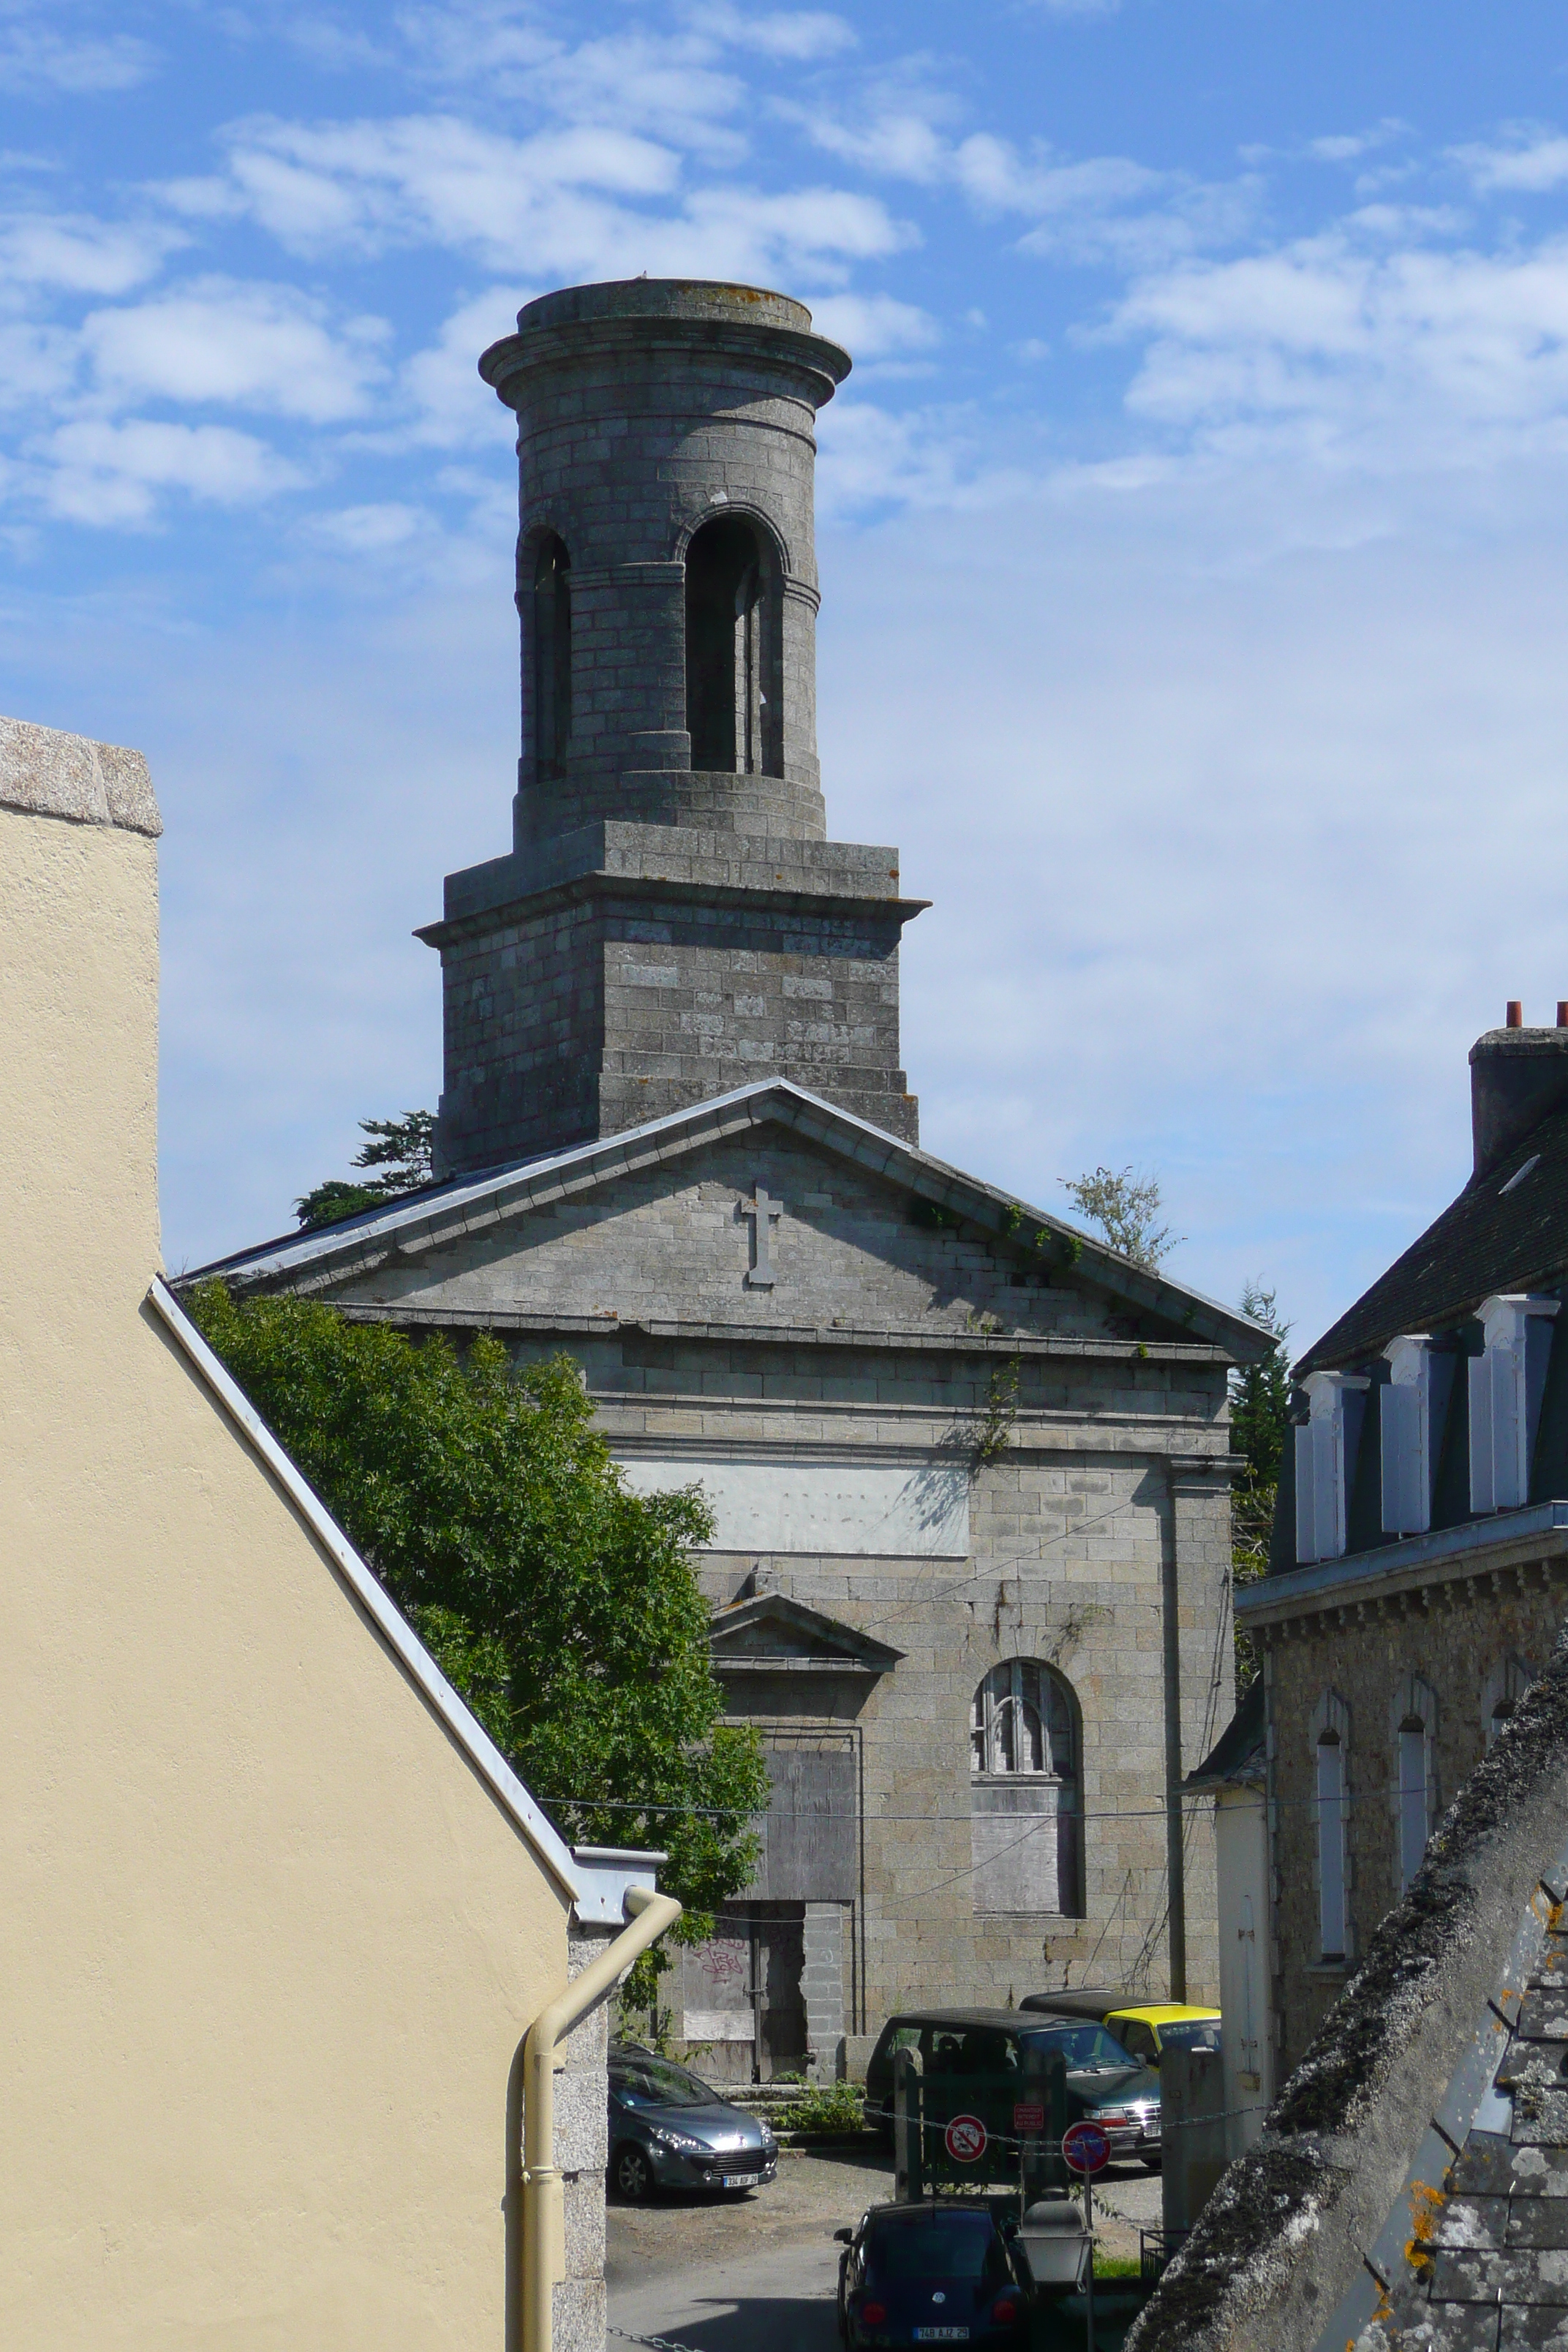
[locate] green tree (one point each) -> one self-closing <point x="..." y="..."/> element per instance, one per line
<point x="1259" y="1396"/>
<point x="1124" y="1207"/>
<point x="563" y="1606"/>
<point x="401" y="1148"/>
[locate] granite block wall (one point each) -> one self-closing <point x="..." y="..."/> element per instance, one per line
<point x="1457" y="1634"/>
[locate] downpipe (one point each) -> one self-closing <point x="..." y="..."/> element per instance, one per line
<point x="533" y="2184"/>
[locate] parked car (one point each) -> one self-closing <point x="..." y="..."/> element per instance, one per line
<point x="668" y="2130"/>
<point x="1144" y="2029"/>
<point x="1104" y="2083"/>
<point x="932" y="2274"/>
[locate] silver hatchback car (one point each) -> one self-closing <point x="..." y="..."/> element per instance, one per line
<point x="668" y="2130"/>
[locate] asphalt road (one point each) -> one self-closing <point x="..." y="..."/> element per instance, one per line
<point x="759" y="2272"/>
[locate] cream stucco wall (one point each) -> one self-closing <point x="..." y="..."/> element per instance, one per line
<point x="268" y="1943"/>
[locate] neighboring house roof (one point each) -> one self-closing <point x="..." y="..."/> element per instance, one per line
<point x="438" y="1216"/>
<point x="1236" y="1761"/>
<point x="1508" y="1231"/>
<point x="595" y="1878"/>
<point x="769" y="1632"/>
<point x="1410" y="2189"/>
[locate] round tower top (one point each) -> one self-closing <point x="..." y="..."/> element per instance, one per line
<point x="747" y="319"/>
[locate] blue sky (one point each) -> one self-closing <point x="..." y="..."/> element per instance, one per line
<point x="1191" y="528"/>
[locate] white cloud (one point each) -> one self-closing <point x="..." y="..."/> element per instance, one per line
<point x="872" y="325"/>
<point x="419" y="179"/>
<point x="1098" y="209"/>
<point x="802" y="36"/>
<point x="39" y="61"/>
<point x="1531" y="162"/>
<point x="1347" y="147"/>
<point x="560" y="197"/>
<point x="38" y="363"/>
<point x="368" y="530"/>
<point x="441" y="383"/>
<point x="1399" y="355"/>
<point x="668" y="87"/>
<point x="78" y="255"/>
<point x="100" y="473"/>
<point x="252" y="346"/>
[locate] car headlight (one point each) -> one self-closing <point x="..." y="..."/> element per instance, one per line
<point x="1111" y="2118"/>
<point x="678" y="2143"/>
<point x="769" y="2142"/>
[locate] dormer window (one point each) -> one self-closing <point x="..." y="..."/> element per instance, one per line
<point x="1413" y="1406"/>
<point x="1325" y="1462"/>
<point x="1507" y="1380"/>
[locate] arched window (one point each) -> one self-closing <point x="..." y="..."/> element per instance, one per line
<point x="1505" y="1686"/>
<point x="731" y="703"/>
<point x="552" y="656"/>
<point x="1330" y="1846"/>
<point x="1412" y="1725"/>
<point x="1024" y="1792"/>
<point x="1330" y="1742"/>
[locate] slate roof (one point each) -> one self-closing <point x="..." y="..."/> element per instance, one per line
<point x="441" y="1214"/>
<point x="1237" y="1759"/>
<point x="1489" y="1239"/>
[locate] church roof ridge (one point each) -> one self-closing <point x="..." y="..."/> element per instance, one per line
<point x="439" y="1215"/>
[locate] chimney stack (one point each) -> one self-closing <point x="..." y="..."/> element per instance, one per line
<point x="1517" y="1077"/>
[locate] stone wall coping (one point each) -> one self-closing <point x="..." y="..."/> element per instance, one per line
<point x="45" y="773"/>
<point x="903" y="1338"/>
<point x="617" y="847"/>
<point x="607" y="882"/>
<point x="1509" y="1540"/>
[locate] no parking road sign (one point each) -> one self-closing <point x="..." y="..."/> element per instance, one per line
<point x="1087" y="2147"/>
<point x="965" y="2139"/>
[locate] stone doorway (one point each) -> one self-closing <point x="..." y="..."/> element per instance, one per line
<point x="744" y="2008"/>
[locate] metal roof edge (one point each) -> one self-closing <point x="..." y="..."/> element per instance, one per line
<point x="576" y="1878"/>
<point x="1328" y="1578"/>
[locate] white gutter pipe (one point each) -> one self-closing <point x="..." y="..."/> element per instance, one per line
<point x="534" y="2179"/>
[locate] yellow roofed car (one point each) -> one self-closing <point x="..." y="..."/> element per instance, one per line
<point x="1146" y="2029"/>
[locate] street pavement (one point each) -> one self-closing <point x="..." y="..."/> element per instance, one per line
<point x="760" y="2272"/>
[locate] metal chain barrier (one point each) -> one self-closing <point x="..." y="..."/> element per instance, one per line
<point x="658" y="2343"/>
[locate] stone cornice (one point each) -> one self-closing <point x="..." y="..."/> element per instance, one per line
<point x="1405" y="1576"/>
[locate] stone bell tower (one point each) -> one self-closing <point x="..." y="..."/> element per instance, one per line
<point x="671" y="921"/>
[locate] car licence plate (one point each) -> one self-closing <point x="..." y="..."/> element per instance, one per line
<point x="941" y="2335"/>
<point x="741" y="2180"/>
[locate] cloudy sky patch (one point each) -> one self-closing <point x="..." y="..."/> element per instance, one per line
<point x="1190" y="533"/>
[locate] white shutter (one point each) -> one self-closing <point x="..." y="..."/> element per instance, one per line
<point x="1325" y="1462"/>
<point x="1508" y="1380"/>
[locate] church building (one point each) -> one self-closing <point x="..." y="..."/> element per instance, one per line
<point x="969" y="1468"/>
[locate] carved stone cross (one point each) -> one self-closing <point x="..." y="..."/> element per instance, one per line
<point x="761" y="1212"/>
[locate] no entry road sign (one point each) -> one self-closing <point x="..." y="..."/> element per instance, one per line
<point x="1087" y="2147"/>
<point x="966" y="2138"/>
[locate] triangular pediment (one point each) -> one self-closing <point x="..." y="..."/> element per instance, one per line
<point x="768" y="1632"/>
<point x="659" y="1229"/>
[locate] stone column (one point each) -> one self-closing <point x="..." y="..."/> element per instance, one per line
<point x="1199" y="1699"/>
<point x="582" y="2153"/>
<point x="822" y="1985"/>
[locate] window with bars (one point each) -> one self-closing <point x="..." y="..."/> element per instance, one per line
<point x="1022" y="1722"/>
<point x="1023" y="1772"/>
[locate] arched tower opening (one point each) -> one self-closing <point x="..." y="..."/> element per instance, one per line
<point x="551" y="650"/>
<point x="733" y="699"/>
